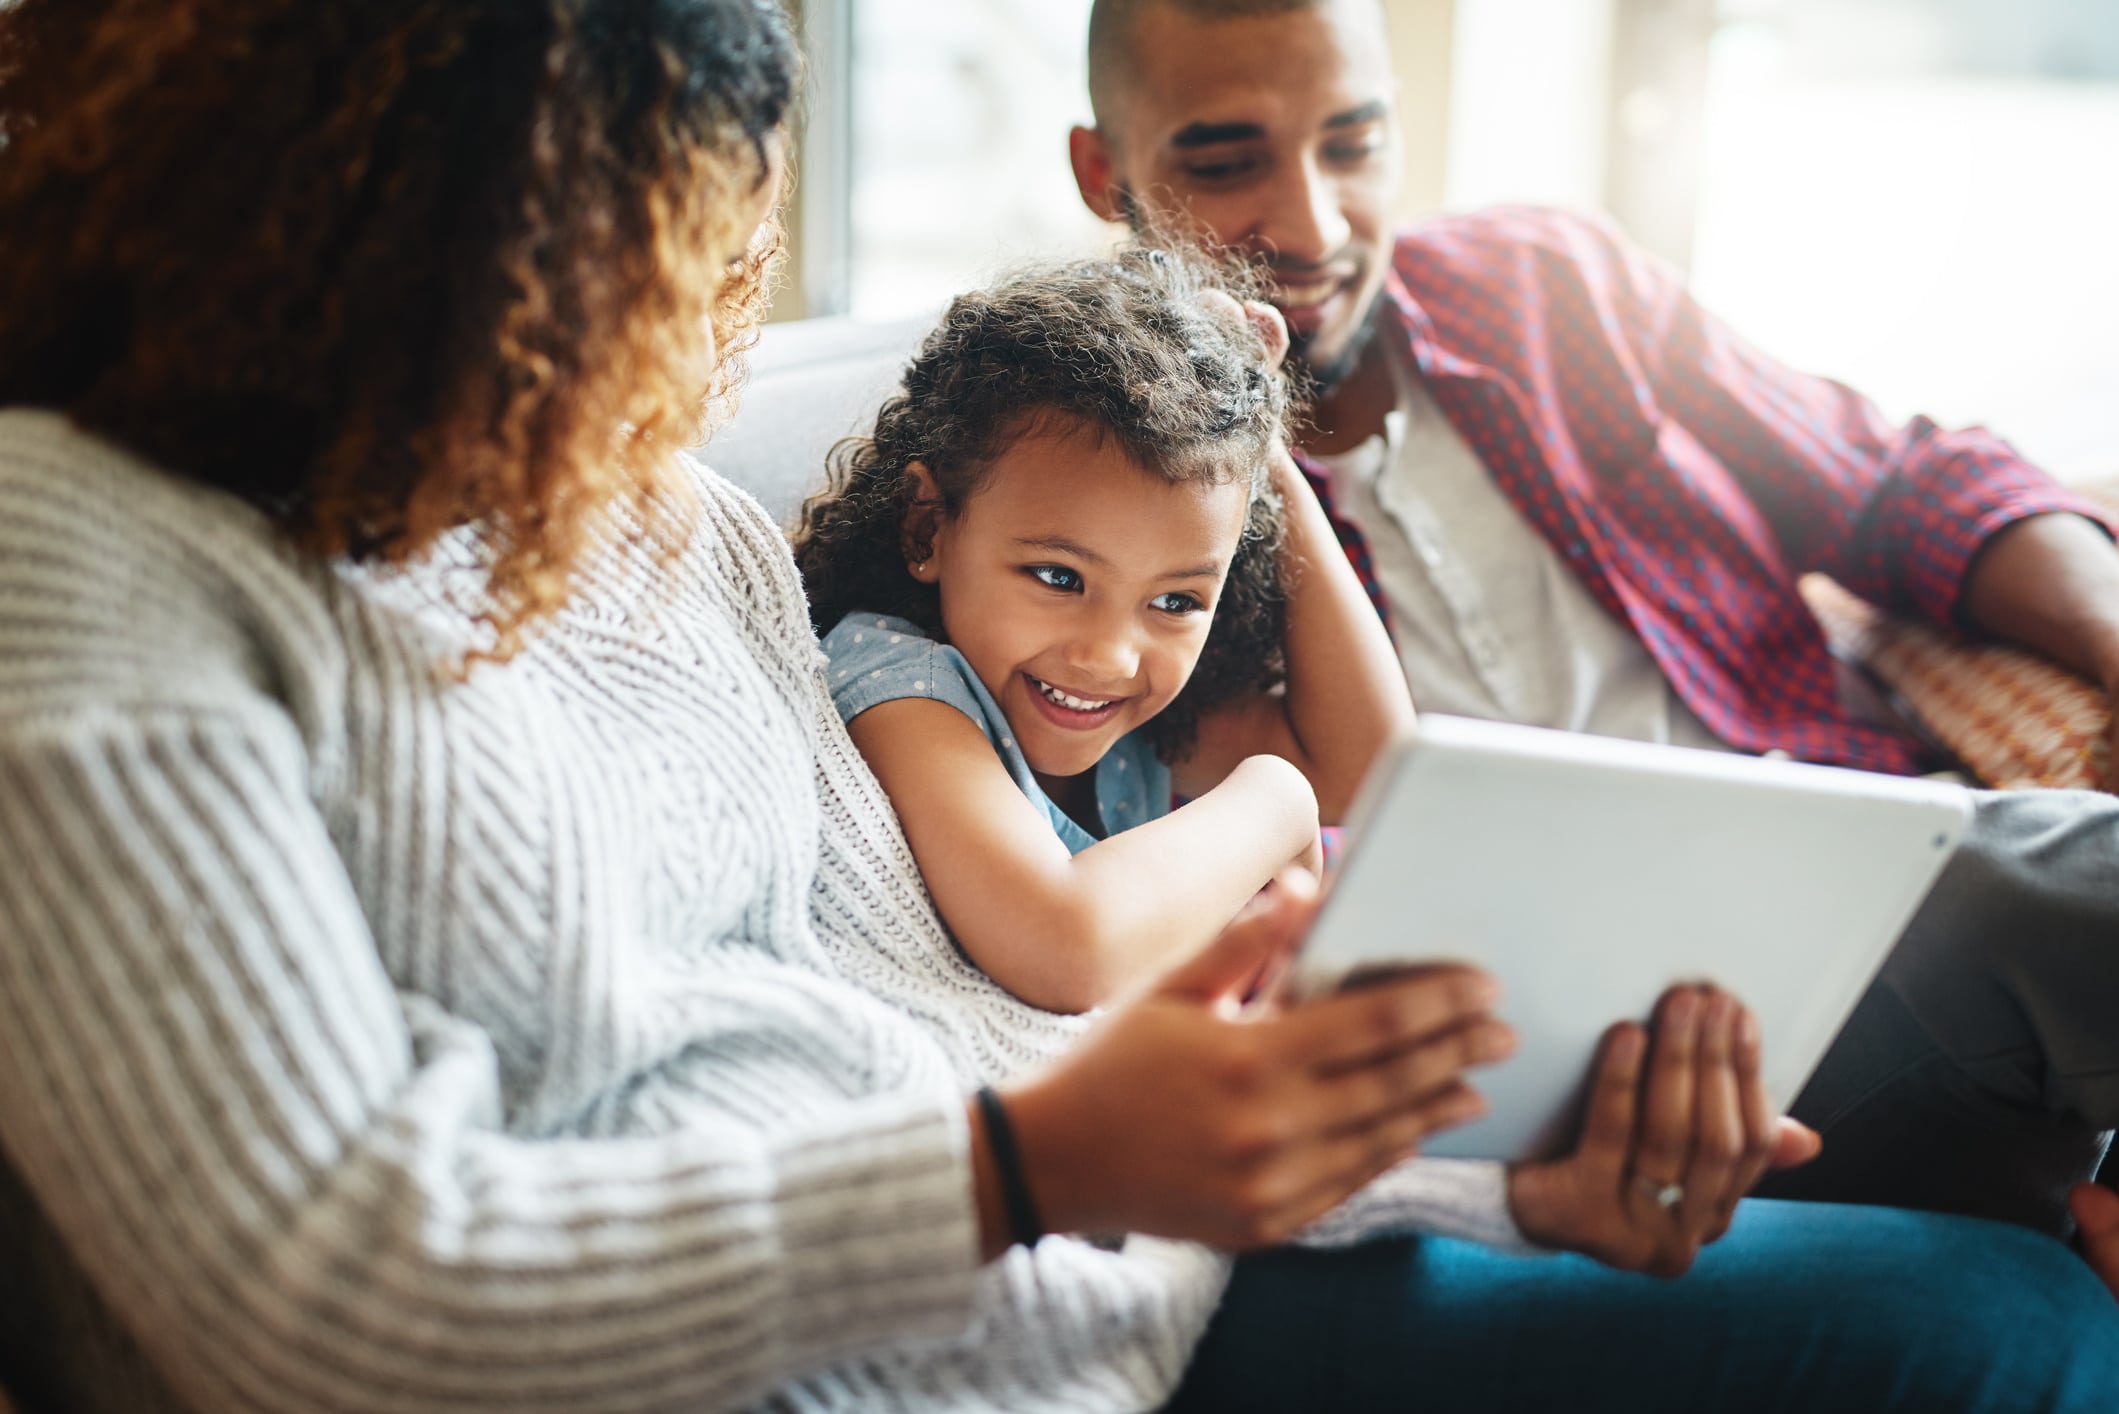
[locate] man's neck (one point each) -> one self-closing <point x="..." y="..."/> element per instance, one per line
<point x="1354" y="411"/>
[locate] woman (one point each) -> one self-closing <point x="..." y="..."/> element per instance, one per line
<point x="450" y="956"/>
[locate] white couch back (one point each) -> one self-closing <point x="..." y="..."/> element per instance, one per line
<point x="813" y="381"/>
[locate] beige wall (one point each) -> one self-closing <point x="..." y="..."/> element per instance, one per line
<point x="789" y="300"/>
<point x="1422" y="33"/>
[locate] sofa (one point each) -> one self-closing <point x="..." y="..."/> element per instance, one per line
<point x="812" y="382"/>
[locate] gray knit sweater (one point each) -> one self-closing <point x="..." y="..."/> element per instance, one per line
<point x="574" y="1036"/>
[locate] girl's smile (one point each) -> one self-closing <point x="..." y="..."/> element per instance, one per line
<point x="1072" y="711"/>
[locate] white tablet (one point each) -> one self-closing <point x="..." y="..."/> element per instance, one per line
<point x="1589" y="874"/>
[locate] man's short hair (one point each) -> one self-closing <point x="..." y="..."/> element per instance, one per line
<point x="1111" y="31"/>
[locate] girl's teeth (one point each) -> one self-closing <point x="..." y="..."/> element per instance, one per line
<point x="1079" y="704"/>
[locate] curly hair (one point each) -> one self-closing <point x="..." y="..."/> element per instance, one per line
<point x="1125" y="346"/>
<point x="386" y="267"/>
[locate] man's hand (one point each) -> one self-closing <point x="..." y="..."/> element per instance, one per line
<point x="2052" y="582"/>
<point x="2111" y="736"/>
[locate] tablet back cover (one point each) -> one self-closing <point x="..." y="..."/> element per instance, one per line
<point x="1589" y="874"/>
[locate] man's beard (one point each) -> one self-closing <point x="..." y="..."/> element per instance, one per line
<point x="1325" y="378"/>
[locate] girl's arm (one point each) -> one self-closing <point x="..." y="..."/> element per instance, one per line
<point x="1346" y="694"/>
<point x="1068" y="932"/>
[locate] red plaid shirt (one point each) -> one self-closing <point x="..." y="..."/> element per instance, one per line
<point x="1686" y="478"/>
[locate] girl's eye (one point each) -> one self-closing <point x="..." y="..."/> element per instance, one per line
<point x="1176" y="603"/>
<point x="1057" y="576"/>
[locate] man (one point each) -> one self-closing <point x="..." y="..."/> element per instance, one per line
<point x="1582" y="502"/>
<point x="1593" y="501"/>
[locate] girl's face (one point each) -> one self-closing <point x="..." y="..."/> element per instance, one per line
<point x="1080" y="588"/>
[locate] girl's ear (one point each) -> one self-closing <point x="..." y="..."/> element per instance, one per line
<point x="923" y="522"/>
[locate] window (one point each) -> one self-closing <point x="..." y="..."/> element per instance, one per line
<point x="959" y="117"/>
<point x="1918" y="197"/>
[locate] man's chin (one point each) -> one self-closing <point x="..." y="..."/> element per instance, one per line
<point x="1330" y="363"/>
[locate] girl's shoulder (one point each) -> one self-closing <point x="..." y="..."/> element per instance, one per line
<point x="878" y="658"/>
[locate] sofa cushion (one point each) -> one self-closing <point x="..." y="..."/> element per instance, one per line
<point x="813" y="381"/>
<point x="2013" y="718"/>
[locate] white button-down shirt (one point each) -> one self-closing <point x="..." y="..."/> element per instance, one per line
<point x="1489" y="622"/>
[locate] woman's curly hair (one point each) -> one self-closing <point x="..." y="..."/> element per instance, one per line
<point x="1130" y="347"/>
<point x="386" y="267"/>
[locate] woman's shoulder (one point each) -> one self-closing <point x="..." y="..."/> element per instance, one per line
<point x="735" y="544"/>
<point x="84" y="492"/>
<point x="123" y="586"/>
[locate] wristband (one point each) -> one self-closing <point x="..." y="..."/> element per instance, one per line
<point x="1024" y="1226"/>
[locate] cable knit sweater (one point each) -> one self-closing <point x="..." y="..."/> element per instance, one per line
<point x="573" y="1035"/>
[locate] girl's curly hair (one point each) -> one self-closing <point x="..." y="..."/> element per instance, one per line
<point x="386" y="267"/>
<point x="1126" y="346"/>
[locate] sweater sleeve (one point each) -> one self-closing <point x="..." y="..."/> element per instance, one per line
<point x="289" y="1181"/>
<point x="287" y="1178"/>
<point x="1464" y="1198"/>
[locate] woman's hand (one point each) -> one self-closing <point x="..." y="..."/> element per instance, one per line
<point x="1678" y="1129"/>
<point x="1186" y="1116"/>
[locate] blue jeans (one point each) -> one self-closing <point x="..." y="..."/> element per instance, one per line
<point x="1802" y="1307"/>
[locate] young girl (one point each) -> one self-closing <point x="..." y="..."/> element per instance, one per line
<point x="1074" y="568"/>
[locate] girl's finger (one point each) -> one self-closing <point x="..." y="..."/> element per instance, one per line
<point x="1272" y="329"/>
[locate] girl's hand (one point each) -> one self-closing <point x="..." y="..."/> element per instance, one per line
<point x="1312" y="861"/>
<point x="1186" y="1116"/>
<point x="1678" y="1129"/>
<point x="1268" y="322"/>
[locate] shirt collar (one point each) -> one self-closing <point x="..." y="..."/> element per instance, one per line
<point x="1417" y="327"/>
